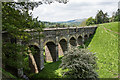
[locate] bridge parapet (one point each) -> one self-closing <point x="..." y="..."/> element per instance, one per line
<point x="66" y="31"/>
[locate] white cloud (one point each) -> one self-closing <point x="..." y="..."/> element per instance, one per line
<point x="74" y="9"/>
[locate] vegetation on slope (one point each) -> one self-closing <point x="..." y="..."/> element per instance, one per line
<point x="105" y="44"/>
<point x="51" y="70"/>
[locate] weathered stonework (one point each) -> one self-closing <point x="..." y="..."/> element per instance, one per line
<point x="58" y="40"/>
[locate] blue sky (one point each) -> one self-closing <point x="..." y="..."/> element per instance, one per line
<point x="74" y="9"/>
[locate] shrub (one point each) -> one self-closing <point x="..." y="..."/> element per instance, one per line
<point x="80" y="64"/>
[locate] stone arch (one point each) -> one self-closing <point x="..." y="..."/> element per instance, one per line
<point x="90" y="34"/>
<point x="33" y="44"/>
<point x="73" y="42"/>
<point x="62" y="38"/>
<point x="48" y="41"/>
<point x="34" y="58"/>
<point x="50" y="51"/>
<point x="73" y="37"/>
<point x="85" y="37"/>
<point x="62" y="47"/>
<point x="79" y="40"/>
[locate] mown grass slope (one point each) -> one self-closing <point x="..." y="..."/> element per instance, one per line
<point x="105" y="45"/>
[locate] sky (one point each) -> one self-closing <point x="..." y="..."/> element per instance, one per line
<point x="74" y="9"/>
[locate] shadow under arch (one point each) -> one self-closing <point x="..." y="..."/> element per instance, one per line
<point x="50" y="52"/>
<point x="62" y="47"/>
<point x="36" y="54"/>
<point x="85" y="37"/>
<point x="90" y="35"/>
<point x="73" y="42"/>
<point x="79" y="40"/>
<point x="48" y="41"/>
<point x="63" y="38"/>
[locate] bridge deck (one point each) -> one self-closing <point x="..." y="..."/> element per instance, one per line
<point x="46" y="29"/>
<point x="67" y="28"/>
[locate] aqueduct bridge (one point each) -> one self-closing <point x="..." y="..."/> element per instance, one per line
<point x="56" y="41"/>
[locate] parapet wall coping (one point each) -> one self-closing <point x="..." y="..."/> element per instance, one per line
<point x="48" y="29"/>
<point x="45" y="29"/>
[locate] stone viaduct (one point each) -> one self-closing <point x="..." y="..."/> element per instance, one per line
<point x="56" y="41"/>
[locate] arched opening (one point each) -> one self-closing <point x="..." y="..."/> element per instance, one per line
<point x="79" y="40"/>
<point x="85" y="38"/>
<point x="34" y="58"/>
<point x="73" y="42"/>
<point x="50" y="52"/>
<point x="90" y="35"/>
<point x="62" y="47"/>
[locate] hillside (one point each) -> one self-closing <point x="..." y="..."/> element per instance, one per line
<point x="105" y="45"/>
<point x="75" y="22"/>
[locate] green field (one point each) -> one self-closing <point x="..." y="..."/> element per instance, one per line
<point x="105" y="44"/>
<point x="51" y="70"/>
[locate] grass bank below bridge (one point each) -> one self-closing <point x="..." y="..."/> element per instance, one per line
<point x="51" y="70"/>
<point x="105" y="45"/>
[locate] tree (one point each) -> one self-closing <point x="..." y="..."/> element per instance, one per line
<point x="101" y="17"/>
<point x="90" y="21"/>
<point x="117" y="15"/>
<point x="112" y="18"/>
<point x="15" y="20"/>
<point x="79" y="63"/>
<point x="106" y="19"/>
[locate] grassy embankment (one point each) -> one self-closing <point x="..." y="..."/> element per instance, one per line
<point x="51" y="70"/>
<point x="105" y="44"/>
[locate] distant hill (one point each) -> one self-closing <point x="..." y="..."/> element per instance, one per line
<point x="75" y="22"/>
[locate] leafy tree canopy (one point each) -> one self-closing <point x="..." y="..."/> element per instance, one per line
<point x="101" y="17"/>
<point x="15" y="20"/>
<point x="90" y="21"/>
<point x="117" y="15"/>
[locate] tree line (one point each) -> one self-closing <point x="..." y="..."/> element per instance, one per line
<point x="102" y="17"/>
<point x="55" y="25"/>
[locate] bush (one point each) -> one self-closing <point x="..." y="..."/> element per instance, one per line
<point x="90" y="21"/>
<point x="80" y="64"/>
